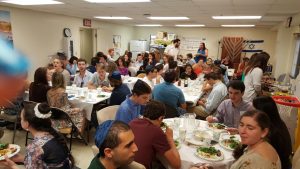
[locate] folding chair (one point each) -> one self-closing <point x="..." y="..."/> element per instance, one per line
<point x="107" y="113"/>
<point x="59" y="114"/>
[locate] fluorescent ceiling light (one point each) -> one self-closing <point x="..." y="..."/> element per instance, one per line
<point x="237" y="25"/>
<point x="168" y="18"/>
<point x="32" y="2"/>
<point x="236" y="17"/>
<point x="116" y="1"/>
<point x="149" y="25"/>
<point x="189" y="25"/>
<point x="113" y="17"/>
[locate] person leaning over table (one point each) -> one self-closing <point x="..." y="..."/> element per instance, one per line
<point x="119" y="91"/>
<point x="279" y="136"/>
<point x="115" y="141"/>
<point x="84" y="76"/>
<point x="207" y="106"/>
<point x="230" y="110"/>
<point x="48" y="148"/>
<point x="99" y="78"/>
<point x="151" y="139"/>
<point x="133" y="106"/>
<point x="256" y="152"/>
<point x="169" y="94"/>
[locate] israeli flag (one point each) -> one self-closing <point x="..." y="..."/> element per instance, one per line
<point x="253" y="46"/>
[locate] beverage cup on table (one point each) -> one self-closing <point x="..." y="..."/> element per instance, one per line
<point x="216" y="134"/>
<point x="73" y="86"/>
<point x="182" y="134"/>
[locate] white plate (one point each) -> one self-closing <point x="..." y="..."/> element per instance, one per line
<point x="225" y="146"/>
<point x="215" y="158"/>
<point x="212" y="128"/>
<point x="18" y="148"/>
<point x="195" y="142"/>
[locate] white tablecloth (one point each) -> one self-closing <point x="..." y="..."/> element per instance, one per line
<point x="192" y="93"/>
<point x="91" y="98"/>
<point x="187" y="152"/>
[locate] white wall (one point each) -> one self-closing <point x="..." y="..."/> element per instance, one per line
<point x="39" y="34"/>
<point x="213" y="35"/>
<point x="285" y="45"/>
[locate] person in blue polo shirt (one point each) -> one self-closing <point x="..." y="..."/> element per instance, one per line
<point x="132" y="107"/>
<point x="169" y="94"/>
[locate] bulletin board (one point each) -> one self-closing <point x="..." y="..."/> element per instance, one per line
<point x="190" y="44"/>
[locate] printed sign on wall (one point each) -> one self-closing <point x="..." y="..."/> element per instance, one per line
<point x="5" y="26"/>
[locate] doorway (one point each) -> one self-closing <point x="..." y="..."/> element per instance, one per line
<point x="87" y="43"/>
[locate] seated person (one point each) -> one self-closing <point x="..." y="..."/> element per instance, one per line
<point x="122" y="66"/>
<point x="159" y="67"/>
<point x="139" y="61"/>
<point x="115" y="142"/>
<point x="92" y="67"/>
<point x="99" y="78"/>
<point x="150" y="138"/>
<point x="132" y="107"/>
<point x="48" y="149"/>
<point x="59" y="68"/>
<point x="39" y="87"/>
<point x="72" y="65"/>
<point x="230" y="110"/>
<point x="169" y="94"/>
<point x="110" y="66"/>
<point x="151" y="73"/>
<point x="198" y="67"/>
<point x="83" y="77"/>
<point x="279" y="136"/>
<point x="219" y="92"/>
<point x="120" y="90"/>
<point x="190" y="59"/>
<point x="189" y="73"/>
<point x="57" y="97"/>
<point x="257" y="153"/>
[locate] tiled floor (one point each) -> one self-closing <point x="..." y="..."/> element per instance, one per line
<point x="83" y="154"/>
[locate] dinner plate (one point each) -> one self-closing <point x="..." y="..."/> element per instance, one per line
<point x="211" y="126"/>
<point x="17" y="147"/>
<point x="195" y="142"/>
<point x="225" y="146"/>
<point x="212" y="158"/>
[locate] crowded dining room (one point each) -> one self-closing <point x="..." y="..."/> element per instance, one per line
<point x="149" y="84"/>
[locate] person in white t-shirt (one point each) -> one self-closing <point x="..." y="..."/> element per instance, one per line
<point x="151" y="73"/>
<point x="253" y="75"/>
<point x="173" y="50"/>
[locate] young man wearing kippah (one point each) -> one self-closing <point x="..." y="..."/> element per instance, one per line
<point x="115" y="141"/>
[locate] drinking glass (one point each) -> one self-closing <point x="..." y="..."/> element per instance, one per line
<point x="182" y="134"/>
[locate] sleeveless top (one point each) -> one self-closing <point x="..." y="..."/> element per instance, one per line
<point x="197" y="58"/>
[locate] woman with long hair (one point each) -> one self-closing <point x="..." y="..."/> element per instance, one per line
<point x="202" y="53"/>
<point x="189" y="73"/>
<point x="256" y="152"/>
<point x="122" y="66"/>
<point x="279" y="136"/>
<point x="39" y="87"/>
<point x="48" y="148"/>
<point x="57" y="97"/>
<point x="253" y="74"/>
